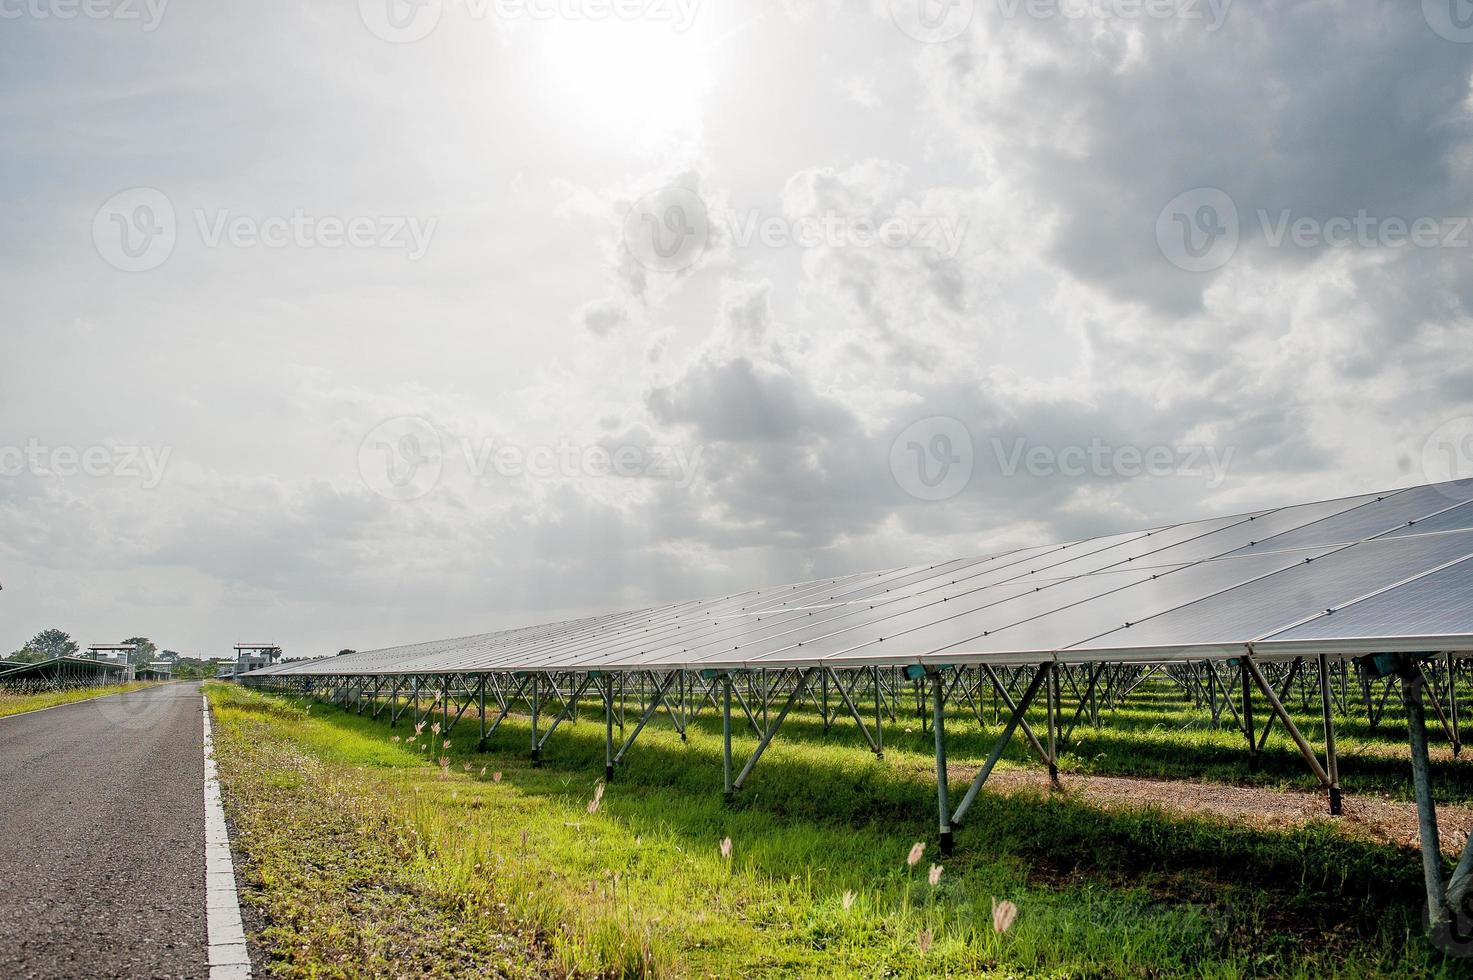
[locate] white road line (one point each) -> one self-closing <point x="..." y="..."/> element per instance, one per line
<point x="226" y="935"/>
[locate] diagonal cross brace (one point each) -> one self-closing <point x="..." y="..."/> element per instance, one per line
<point x="1000" y="745"/>
<point x="772" y="729"/>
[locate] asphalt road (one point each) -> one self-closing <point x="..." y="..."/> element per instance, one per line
<point x="102" y="870"/>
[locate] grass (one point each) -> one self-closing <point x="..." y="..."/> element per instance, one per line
<point x="356" y="843"/>
<point x="14" y="704"/>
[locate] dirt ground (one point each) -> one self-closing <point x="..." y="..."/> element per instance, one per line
<point x="1375" y="818"/>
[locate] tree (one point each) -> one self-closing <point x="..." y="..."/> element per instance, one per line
<point x="26" y="656"/>
<point x="144" y="650"/>
<point x="192" y="667"/>
<point x="52" y="643"/>
<point x="345" y="652"/>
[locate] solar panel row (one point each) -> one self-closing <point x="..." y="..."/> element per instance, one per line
<point x="1369" y="572"/>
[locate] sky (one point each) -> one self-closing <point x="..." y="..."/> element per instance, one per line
<point x="355" y="323"/>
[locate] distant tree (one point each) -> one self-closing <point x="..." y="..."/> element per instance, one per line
<point x="52" y="643"/>
<point x="345" y="652"/>
<point x="192" y="667"/>
<point x="26" y="656"/>
<point x="144" y="651"/>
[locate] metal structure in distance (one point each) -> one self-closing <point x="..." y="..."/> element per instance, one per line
<point x="1371" y="591"/>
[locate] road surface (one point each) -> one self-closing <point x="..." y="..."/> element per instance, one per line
<point x="102" y="868"/>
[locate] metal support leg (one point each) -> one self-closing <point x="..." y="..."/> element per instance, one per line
<point x="879" y="714"/>
<point x="1452" y="704"/>
<point x="1053" y="723"/>
<point x="536" y="690"/>
<point x="1411" y="693"/>
<point x="1248" y="711"/>
<point x="481" y="711"/>
<point x="1332" y="762"/>
<point x="726" y="735"/>
<point x="608" y="728"/>
<point x="938" y="728"/>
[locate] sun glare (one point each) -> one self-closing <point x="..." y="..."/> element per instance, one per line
<point x="640" y="81"/>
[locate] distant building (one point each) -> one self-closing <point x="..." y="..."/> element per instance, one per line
<point x="250" y="656"/>
<point x="120" y="654"/>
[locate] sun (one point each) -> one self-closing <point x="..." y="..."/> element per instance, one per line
<point x="638" y="81"/>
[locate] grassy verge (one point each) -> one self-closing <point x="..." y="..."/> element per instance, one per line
<point x="14" y="704"/>
<point x="357" y="842"/>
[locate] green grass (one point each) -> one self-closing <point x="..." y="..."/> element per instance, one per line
<point x="640" y="888"/>
<point x="14" y="704"/>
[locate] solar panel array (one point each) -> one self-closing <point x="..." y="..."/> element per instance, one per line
<point x="1377" y="572"/>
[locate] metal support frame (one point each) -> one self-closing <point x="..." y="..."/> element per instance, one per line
<point x="938" y="728"/>
<point x="1293" y="730"/>
<point x="999" y="746"/>
<point x="767" y="697"/>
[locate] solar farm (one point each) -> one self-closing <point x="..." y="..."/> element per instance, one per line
<point x="1275" y="629"/>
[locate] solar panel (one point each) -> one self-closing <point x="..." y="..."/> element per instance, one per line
<point x="1436" y="604"/>
<point x="1385" y="513"/>
<point x="1203" y="587"/>
<point x="1455" y="518"/>
<point x="1307" y="588"/>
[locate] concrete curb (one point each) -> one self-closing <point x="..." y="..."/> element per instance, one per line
<point x="224" y="932"/>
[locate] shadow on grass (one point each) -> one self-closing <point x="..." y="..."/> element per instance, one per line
<point x="1310" y="879"/>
